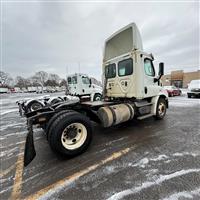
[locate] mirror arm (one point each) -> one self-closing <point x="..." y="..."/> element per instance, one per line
<point x="157" y="79"/>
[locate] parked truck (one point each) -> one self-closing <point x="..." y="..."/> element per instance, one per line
<point x="131" y="90"/>
<point x="81" y="85"/>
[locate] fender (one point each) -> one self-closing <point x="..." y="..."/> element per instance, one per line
<point x="31" y="100"/>
<point x="163" y="93"/>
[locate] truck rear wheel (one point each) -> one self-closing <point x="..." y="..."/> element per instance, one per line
<point x="34" y="105"/>
<point x="53" y="118"/>
<point x="70" y="134"/>
<point x="161" y="109"/>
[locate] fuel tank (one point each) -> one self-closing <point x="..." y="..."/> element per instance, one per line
<point x="116" y="114"/>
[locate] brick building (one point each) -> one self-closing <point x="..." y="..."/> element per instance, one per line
<point x="180" y="78"/>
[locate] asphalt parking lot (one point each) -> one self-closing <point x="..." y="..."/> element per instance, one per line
<point x="136" y="160"/>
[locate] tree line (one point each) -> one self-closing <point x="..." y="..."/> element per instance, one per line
<point x="40" y="78"/>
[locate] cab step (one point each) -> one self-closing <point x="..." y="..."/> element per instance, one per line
<point x="145" y="116"/>
<point x="142" y="104"/>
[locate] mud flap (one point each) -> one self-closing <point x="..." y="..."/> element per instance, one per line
<point x="29" y="152"/>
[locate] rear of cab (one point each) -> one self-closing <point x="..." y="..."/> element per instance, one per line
<point x="128" y="72"/>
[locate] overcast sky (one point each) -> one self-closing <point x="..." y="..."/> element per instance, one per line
<point x="58" y="37"/>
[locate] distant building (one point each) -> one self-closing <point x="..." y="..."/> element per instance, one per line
<point x="180" y="78"/>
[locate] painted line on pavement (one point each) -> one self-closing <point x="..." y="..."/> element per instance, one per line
<point x="17" y="186"/>
<point x="55" y="187"/>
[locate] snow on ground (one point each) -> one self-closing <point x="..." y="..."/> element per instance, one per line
<point x="146" y="163"/>
<point x="183" y="101"/>
<point x="185" y="194"/>
<point x="145" y="185"/>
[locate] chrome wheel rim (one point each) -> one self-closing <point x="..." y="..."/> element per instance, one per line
<point x="73" y="136"/>
<point x="161" y="109"/>
<point x="36" y="106"/>
<point x="98" y="98"/>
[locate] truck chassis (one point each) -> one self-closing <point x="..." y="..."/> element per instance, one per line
<point x="69" y="123"/>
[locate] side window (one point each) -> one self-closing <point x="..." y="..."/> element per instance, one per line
<point x="148" y="67"/>
<point x="110" y="71"/>
<point x="69" y="80"/>
<point x="125" y="67"/>
<point x="74" y="80"/>
<point x="85" y="80"/>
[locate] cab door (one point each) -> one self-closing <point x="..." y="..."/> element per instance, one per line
<point x="151" y="87"/>
<point x="86" y="86"/>
<point x="125" y="76"/>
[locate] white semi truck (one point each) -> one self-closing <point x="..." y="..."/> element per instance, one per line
<point x="81" y="85"/>
<point x="131" y="90"/>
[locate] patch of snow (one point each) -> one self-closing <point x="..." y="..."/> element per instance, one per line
<point x="186" y="194"/>
<point x="142" y="163"/>
<point x="148" y="184"/>
<point x="8" y="111"/>
<point x="15" y="125"/>
<point x="185" y="153"/>
<point x="110" y="169"/>
<point x="183" y="102"/>
<point x="160" y="157"/>
<point x="7" y="152"/>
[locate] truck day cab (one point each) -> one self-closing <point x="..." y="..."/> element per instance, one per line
<point x="131" y="90"/>
<point x="81" y="85"/>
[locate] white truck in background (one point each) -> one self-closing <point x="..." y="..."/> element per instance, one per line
<point x="81" y="85"/>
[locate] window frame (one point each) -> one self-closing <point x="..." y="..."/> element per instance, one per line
<point x="123" y="61"/>
<point x="151" y="65"/>
<point x="114" y="64"/>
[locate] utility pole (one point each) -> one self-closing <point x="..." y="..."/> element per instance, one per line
<point x="79" y="67"/>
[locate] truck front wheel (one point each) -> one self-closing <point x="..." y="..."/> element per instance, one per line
<point x="161" y="109"/>
<point x="70" y="134"/>
<point x="97" y="97"/>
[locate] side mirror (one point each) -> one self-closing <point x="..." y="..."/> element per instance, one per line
<point x="160" y="73"/>
<point x="161" y="69"/>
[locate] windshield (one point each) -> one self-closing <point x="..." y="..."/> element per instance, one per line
<point x="72" y="80"/>
<point x="110" y="71"/>
<point x="195" y="84"/>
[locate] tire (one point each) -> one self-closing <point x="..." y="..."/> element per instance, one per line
<point x="97" y="97"/>
<point x="161" y="109"/>
<point x="34" y="105"/>
<point x="189" y="95"/>
<point x="53" y="118"/>
<point x="70" y="134"/>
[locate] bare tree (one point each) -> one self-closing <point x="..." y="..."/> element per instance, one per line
<point x="40" y="78"/>
<point x="5" y="79"/>
<point x="21" y="82"/>
<point x="63" y="82"/>
<point x="54" y="79"/>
